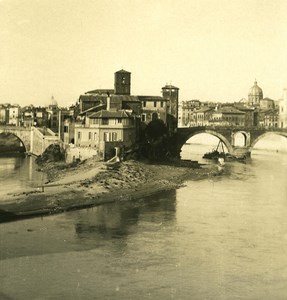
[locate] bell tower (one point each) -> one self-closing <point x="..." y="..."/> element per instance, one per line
<point x="122" y="83"/>
<point x="171" y="93"/>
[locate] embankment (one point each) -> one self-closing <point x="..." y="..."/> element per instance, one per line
<point x="91" y="183"/>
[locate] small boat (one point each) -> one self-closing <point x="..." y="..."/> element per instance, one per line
<point x="215" y="154"/>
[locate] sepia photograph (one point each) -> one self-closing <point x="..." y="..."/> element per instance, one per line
<point x="143" y="149"/>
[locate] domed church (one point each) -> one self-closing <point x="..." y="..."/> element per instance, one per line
<point x="255" y="95"/>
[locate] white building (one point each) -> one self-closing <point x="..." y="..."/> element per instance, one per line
<point x="283" y="110"/>
<point x="14" y="115"/>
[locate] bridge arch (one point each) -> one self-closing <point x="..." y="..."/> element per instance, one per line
<point x="284" y="134"/>
<point x="211" y="132"/>
<point x="240" y="134"/>
<point x="21" y="139"/>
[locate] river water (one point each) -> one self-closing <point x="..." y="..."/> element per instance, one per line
<point x="224" y="237"/>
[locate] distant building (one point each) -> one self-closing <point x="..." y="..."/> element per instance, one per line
<point x="4" y="114"/>
<point x="185" y="111"/>
<point x="255" y="95"/>
<point x="251" y="114"/>
<point x="283" y="110"/>
<point x="14" y="115"/>
<point x="53" y="116"/>
<point x="201" y="117"/>
<point x="267" y="103"/>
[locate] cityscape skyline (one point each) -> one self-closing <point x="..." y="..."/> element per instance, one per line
<point x="212" y="51"/>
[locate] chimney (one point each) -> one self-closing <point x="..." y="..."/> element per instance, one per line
<point x="108" y="102"/>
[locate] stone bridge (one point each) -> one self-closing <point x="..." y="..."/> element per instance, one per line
<point x="228" y="136"/>
<point x="34" y="139"/>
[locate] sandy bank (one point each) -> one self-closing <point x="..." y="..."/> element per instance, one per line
<point x="91" y="183"/>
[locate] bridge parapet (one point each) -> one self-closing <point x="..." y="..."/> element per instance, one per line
<point x="39" y="141"/>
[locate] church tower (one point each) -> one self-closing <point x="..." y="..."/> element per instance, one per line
<point x="122" y="83"/>
<point x="170" y="93"/>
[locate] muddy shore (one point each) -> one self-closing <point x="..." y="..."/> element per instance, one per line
<point x="91" y="183"/>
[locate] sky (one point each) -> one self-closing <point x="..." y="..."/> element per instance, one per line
<point x="213" y="50"/>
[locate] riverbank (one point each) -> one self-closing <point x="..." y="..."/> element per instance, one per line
<point x="91" y="183"/>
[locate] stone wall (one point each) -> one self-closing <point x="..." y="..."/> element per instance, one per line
<point x="73" y="153"/>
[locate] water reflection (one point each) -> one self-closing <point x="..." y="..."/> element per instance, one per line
<point x="19" y="173"/>
<point x="118" y="220"/>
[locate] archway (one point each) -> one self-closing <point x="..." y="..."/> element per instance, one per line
<point x="10" y="143"/>
<point x="240" y="139"/>
<point x="272" y="141"/>
<point x="203" y="142"/>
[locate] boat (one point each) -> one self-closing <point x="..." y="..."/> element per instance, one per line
<point x="220" y="155"/>
<point x="216" y="153"/>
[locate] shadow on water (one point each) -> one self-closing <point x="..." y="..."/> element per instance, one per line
<point x="115" y="221"/>
<point x="7" y="216"/>
<point x="107" y="225"/>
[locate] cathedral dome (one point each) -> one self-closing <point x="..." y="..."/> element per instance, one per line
<point x="256" y="90"/>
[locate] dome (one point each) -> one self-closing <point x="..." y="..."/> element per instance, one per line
<point x="53" y="102"/>
<point x="256" y="90"/>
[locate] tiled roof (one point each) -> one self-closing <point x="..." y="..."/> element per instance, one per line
<point x="151" y="98"/>
<point x="124" y="98"/>
<point x="93" y="97"/>
<point x="92" y="109"/>
<point x="110" y="114"/>
<point x="101" y="91"/>
<point x="230" y="110"/>
<point x="203" y="109"/>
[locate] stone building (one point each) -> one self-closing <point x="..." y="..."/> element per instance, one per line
<point x="151" y="105"/>
<point x="171" y="93"/>
<point x="122" y="83"/>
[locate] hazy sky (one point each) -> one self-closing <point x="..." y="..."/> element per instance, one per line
<point x="210" y="49"/>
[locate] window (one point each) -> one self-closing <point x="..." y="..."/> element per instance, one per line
<point x="105" y="121"/>
<point x="95" y="136"/>
<point x="154" y="104"/>
<point x="110" y="136"/>
<point x="90" y="135"/>
<point x="144" y="104"/>
<point x="143" y="117"/>
<point x="119" y="120"/>
<point x="66" y="128"/>
<point x="79" y="135"/>
<point x="114" y="136"/>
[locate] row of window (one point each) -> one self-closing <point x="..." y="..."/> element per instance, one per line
<point x="107" y="121"/>
<point x="108" y="136"/>
<point x="155" y="104"/>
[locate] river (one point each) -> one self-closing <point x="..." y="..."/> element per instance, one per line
<point x="220" y="238"/>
